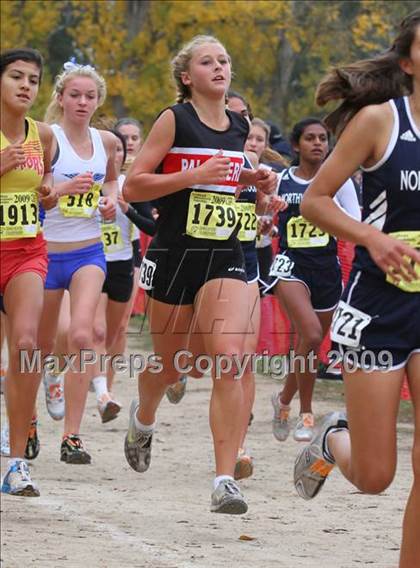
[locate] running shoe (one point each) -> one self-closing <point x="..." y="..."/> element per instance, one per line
<point x="227" y="498"/>
<point x="176" y="392"/>
<point x="304" y="429"/>
<point x="32" y="445"/>
<point x="5" y="443"/>
<point x="108" y="407"/>
<point x="137" y="444"/>
<point x="54" y="395"/>
<point x="281" y="426"/>
<point x="72" y="450"/>
<point x="312" y="466"/>
<point x="18" y="482"/>
<point x="244" y="466"/>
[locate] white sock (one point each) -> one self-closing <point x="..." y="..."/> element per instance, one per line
<point x="12" y="461"/>
<point x="146" y="428"/>
<point x="220" y="478"/>
<point x="326" y="451"/>
<point x="99" y="384"/>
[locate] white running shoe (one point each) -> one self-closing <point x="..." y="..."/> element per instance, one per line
<point x="54" y="395"/>
<point x="280" y="422"/>
<point x="227" y="498"/>
<point x="304" y="429"/>
<point x="137" y="444"/>
<point x="5" y="444"/>
<point x="17" y="481"/>
<point x="312" y="466"/>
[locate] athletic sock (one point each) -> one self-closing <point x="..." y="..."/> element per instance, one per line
<point x="99" y="384"/>
<point x="219" y="479"/>
<point x="146" y="428"/>
<point x="12" y="461"/>
<point x="325" y="449"/>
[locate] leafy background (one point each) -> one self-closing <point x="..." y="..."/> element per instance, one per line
<point x="279" y="49"/>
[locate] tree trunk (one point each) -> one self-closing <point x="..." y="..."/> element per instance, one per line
<point x="281" y="92"/>
<point x="135" y="17"/>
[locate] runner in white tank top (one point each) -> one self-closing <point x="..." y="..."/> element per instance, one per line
<point x="84" y="167"/>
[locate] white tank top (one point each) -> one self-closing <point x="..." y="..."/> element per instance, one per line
<point x="118" y="240"/>
<point x="73" y="218"/>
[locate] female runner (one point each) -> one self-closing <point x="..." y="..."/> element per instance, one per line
<point x="194" y="269"/>
<point x="306" y="274"/>
<point x="26" y="148"/>
<point x="379" y="123"/>
<point x="84" y="167"/>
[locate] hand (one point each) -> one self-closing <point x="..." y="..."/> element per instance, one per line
<point x="265" y="180"/>
<point x="213" y="171"/>
<point x="123" y="204"/>
<point x="276" y="204"/>
<point x="48" y="197"/>
<point x="108" y="208"/>
<point x="11" y="157"/>
<point x="265" y="225"/>
<point x="388" y="253"/>
<point x="78" y="185"/>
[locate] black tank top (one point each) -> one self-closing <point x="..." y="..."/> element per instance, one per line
<point x="391" y="188"/>
<point x="194" y="143"/>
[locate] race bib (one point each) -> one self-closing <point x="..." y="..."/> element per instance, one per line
<point x="19" y="217"/>
<point x="302" y="234"/>
<point x="411" y="238"/>
<point x="248" y="220"/>
<point x="80" y="205"/>
<point x="281" y="266"/>
<point x="347" y="324"/>
<point x="211" y="215"/>
<point x="111" y="237"/>
<point x="147" y="271"/>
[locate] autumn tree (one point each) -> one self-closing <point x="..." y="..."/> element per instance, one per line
<point x="279" y="49"/>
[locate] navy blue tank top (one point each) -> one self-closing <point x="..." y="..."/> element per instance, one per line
<point x="295" y="233"/>
<point x="391" y="188"/>
<point x="194" y="143"/>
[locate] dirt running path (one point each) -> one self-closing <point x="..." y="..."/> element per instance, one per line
<point x="106" y="515"/>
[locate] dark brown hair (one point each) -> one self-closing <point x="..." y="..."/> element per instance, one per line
<point x="370" y="81"/>
<point x="22" y="54"/>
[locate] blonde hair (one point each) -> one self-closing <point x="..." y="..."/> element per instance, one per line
<point x="54" y="112"/>
<point x="181" y="61"/>
<point x="264" y="126"/>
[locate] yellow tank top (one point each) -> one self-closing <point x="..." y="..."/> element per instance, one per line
<point x="19" y="216"/>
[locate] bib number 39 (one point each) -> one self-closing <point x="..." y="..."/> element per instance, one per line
<point x="282" y="266"/>
<point x="347" y="325"/>
<point x="147" y="271"/>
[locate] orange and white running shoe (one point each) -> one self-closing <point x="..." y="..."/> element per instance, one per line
<point x="313" y="465"/>
<point x="304" y="429"/>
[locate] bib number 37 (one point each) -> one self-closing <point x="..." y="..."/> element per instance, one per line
<point x="347" y="325"/>
<point x="147" y="271"/>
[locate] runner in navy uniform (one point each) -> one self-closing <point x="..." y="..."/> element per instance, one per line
<point x="194" y="268"/>
<point x="380" y="307"/>
<point x="306" y="274"/>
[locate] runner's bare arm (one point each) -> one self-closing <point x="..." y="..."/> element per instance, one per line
<point x="143" y="184"/>
<point x="362" y="143"/>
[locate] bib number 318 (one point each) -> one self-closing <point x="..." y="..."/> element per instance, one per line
<point x="147" y="271"/>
